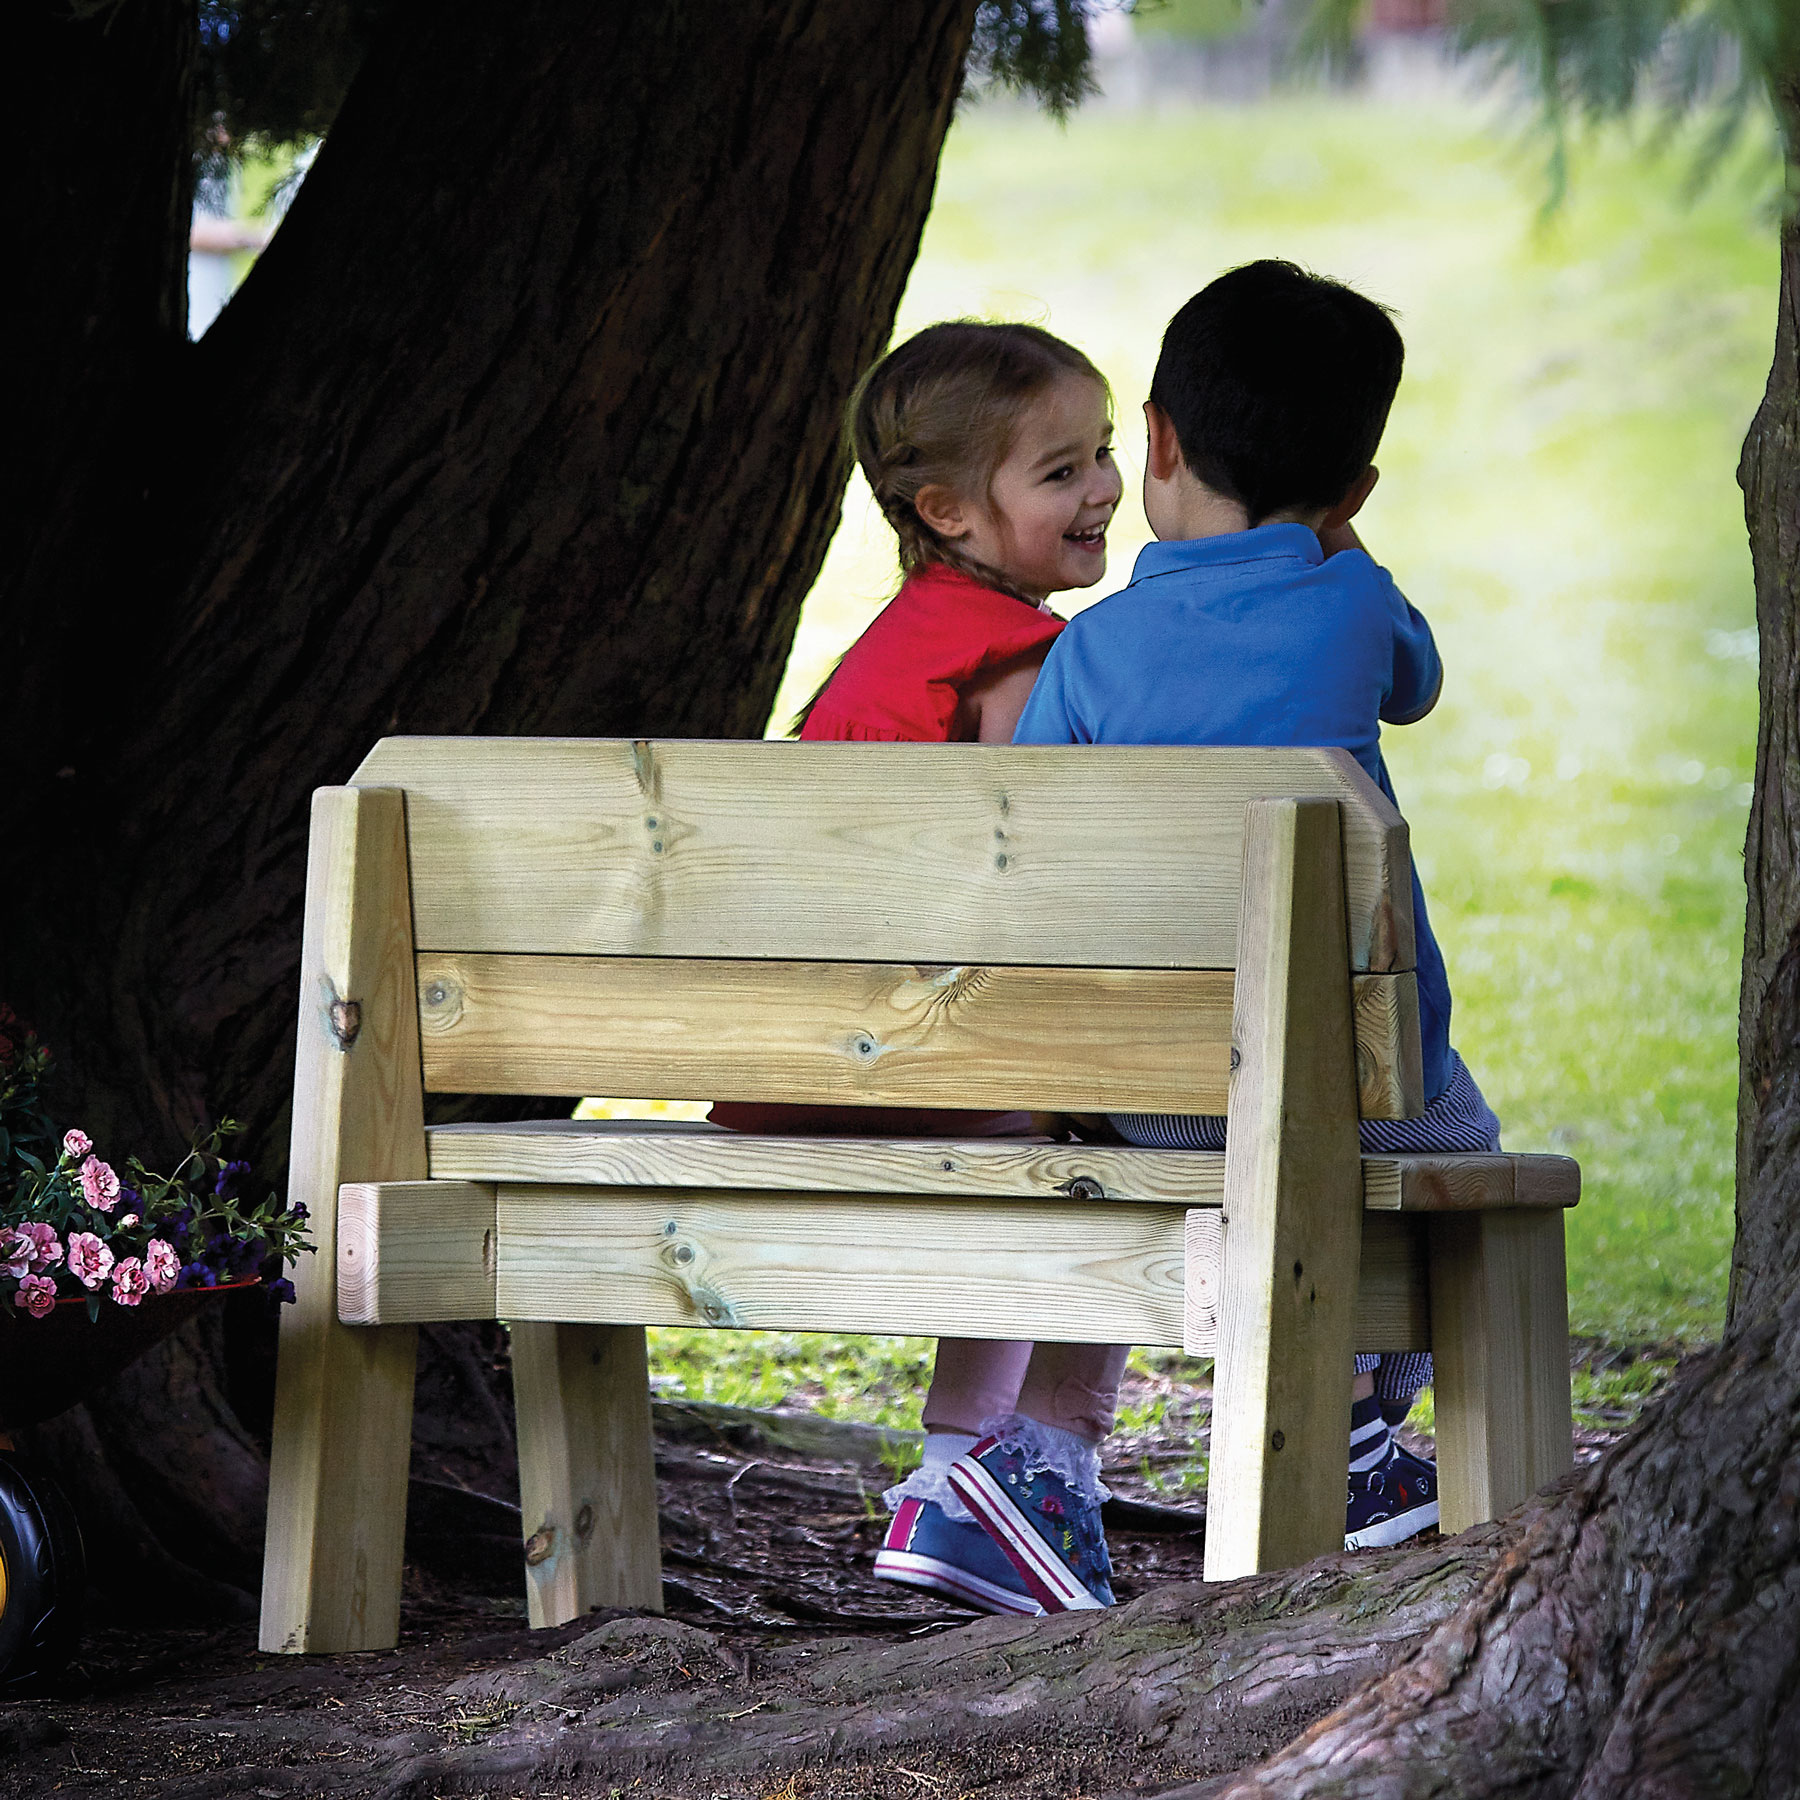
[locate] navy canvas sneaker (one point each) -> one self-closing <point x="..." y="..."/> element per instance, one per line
<point x="926" y="1549"/>
<point x="1391" y="1503"/>
<point x="1050" y="1531"/>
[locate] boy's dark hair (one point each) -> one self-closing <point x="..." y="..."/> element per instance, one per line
<point x="1278" y="384"/>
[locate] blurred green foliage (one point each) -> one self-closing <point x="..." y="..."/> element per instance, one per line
<point x="1558" y="494"/>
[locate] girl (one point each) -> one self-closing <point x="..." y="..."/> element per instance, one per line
<point x="989" y="450"/>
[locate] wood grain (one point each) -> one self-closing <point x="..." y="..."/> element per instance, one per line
<point x="343" y="1396"/>
<point x="1146" y="1040"/>
<point x="850" y="1033"/>
<point x="1293" y="1208"/>
<point x="1500" y="1343"/>
<point x="1059" y="1269"/>
<point x="1098" y="856"/>
<point x="1390" y="1058"/>
<point x="1458" y="1181"/>
<point x="660" y="1153"/>
<point x="436" y="1262"/>
<point x="587" y="1469"/>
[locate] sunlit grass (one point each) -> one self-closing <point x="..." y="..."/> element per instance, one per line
<point x="1558" y="494"/>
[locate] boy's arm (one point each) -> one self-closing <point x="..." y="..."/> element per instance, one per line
<point x="1418" y="675"/>
<point x="1049" y="716"/>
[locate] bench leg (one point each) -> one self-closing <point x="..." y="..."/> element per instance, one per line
<point x="343" y="1395"/>
<point x="1293" y="1208"/>
<point x="587" y="1469"/>
<point x="1500" y="1342"/>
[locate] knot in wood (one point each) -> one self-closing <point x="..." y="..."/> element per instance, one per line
<point x="540" y="1545"/>
<point x="1085" y="1187"/>
<point x="346" y="1022"/>
<point x="584" y="1522"/>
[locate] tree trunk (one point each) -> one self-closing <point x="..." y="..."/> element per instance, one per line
<point x="527" y="421"/>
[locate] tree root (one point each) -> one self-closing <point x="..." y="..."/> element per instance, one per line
<point x="1188" y="1680"/>
<point x="1642" y="1637"/>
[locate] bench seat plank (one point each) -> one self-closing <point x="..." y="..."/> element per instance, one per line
<point x="659" y="1154"/>
<point x="1060" y="1270"/>
<point x="622" y="847"/>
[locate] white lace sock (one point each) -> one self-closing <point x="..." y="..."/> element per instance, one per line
<point x="1063" y="1453"/>
<point x="930" y="1480"/>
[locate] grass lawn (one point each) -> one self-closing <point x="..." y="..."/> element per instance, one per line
<point x="1558" y="495"/>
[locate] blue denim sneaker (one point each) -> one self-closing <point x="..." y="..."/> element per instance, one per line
<point x="926" y="1549"/>
<point x="1391" y="1503"/>
<point x="1049" y="1530"/>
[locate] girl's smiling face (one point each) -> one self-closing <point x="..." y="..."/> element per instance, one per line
<point x="1042" y="522"/>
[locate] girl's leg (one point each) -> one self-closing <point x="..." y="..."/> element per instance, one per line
<point x="1074" y="1387"/>
<point x="1034" y="1485"/>
<point x="976" y="1379"/>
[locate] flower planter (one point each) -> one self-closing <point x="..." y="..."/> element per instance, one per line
<point x="48" y="1364"/>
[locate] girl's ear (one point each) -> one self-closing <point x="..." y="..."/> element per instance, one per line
<point x="942" y="511"/>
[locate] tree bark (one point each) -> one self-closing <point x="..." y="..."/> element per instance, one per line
<point x="527" y="421"/>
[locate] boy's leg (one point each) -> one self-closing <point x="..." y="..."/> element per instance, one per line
<point x="1392" y="1494"/>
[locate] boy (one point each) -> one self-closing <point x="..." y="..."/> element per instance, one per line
<point x="1258" y="618"/>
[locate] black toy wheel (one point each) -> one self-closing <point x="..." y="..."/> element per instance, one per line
<point x="43" y="1573"/>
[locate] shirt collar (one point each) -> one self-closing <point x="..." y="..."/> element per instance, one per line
<point x="1264" y="543"/>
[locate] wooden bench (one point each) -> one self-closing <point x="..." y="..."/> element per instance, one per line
<point x="1156" y="930"/>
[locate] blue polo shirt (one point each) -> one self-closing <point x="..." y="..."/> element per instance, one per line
<point x="1253" y="637"/>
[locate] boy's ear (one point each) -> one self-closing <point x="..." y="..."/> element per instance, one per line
<point x="1162" y="457"/>
<point x="942" y="511"/>
<point x="1352" y="503"/>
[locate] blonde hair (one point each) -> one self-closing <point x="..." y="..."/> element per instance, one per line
<point x="942" y="410"/>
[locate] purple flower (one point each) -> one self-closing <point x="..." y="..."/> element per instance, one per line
<point x="231" y="1179"/>
<point x="196" y="1275"/>
<point x="281" y="1293"/>
<point x="248" y="1256"/>
<point x="298" y="1214"/>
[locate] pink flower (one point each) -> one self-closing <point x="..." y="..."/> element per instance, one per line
<point x="89" y="1259"/>
<point x="77" y="1142"/>
<point x="130" y="1283"/>
<point x="36" y="1295"/>
<point x="126" y="1223"/>
<point x="15" y="1252"/>
<point x="161" y="1264"/>
<point x="46" y="1252"/>
<point x="99" y="1184"/>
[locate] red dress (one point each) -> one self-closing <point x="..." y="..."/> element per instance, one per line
<point x="902" y="682"/>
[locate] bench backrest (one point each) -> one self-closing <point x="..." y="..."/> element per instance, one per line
<point x="885" y="924"/>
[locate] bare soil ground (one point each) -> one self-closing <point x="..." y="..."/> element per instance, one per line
<point x="770" y="1524"/>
